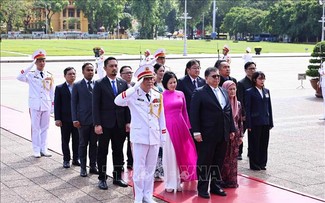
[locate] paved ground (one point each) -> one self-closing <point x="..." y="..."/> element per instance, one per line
<point x="296" y="151"/>
<point x="27" y="179"/>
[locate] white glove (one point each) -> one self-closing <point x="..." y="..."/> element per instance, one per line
<point x="162" y="140"/>
<point x="137" y="84"/>
<point x="31" y="65"/>
<point x="52" y="109"/>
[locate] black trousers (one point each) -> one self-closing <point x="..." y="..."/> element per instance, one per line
<point x="87" y="137"/>
<point x="211" y="155"/>
<point x="258" y="139"/>
<point x="117" y="136"/>
<point x="67" y="131"/>
<point x="129" y="150"/>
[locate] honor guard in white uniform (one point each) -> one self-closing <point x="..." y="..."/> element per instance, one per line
<point x="41" y="101"/>
<point x="321" y="71"/>
<point x="160" y="56"/>
<point x="225" y="51"/>
<point x="100" y="64"/>
<point x="147" y="129"/>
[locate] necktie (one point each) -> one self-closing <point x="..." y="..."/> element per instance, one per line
<point x="41" y="74"/>
<point x="148" y="97"/>
<point x="114" y="88"/>
<point x="195" y="83"/>
<point x="216" y="92"/>
<point x="89" y="86"/>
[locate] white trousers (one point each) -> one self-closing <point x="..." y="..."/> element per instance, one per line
<point x="323" y="93"/>
<point x="40" y="121"/>
<point x="144" y="166"/>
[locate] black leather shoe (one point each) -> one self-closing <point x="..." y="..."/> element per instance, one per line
<point x="120" y="183"/>
<point x="129" y="167"/>
<point x="219" y="192"/>
<point x="102" y="185"/>
<point x="204" y="195"/>
<point x="263" y="168"/>
<point x="66" y="164"/>
<point x="83" y="172"/>
<point x="255" y="168"/>
<point x="239" y="157"/>
<point x="93" y="170"/>
<point x="76" y="163"/>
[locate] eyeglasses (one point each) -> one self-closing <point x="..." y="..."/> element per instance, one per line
<point x="196" y="68"/>
<point x="215" y="76"/>
<point x="127" y="73"/>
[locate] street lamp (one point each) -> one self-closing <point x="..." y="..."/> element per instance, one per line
<point x="322" y="2"/>
<point x="185" y="21"/>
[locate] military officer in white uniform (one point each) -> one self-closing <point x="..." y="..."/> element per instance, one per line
<point x="147" y="130"/>
<point x="41" y="101"/>
<point x="321" y="71"/>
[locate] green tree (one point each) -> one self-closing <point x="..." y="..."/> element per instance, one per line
<point x="102" y="13"/>
<point x="146" y="12"/>
<point x="51" y="7"/>
<point x="11" y="13"/>
<point x="243" y="21"/>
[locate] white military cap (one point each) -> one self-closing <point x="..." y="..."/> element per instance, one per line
<point x="160" y="53"/>
<point x="144" y="71"/>
<point x="39" y="54"/>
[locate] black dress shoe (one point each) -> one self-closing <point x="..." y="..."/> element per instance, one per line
<point x="102" y="185"/>
<point x="255" y="168"/>
<point x="66" y="164"/>
<point x="263" y="168"/>
<point x="219" y="191"/>
<point x="129" y="167"/>
<point x="93" y="170"/>
<point x="76" y="163"/>
<point x="239" y="157"/>
<point x="83" y="172"/>
<point x="120" y="183"/>
<point x="204" y="195"/>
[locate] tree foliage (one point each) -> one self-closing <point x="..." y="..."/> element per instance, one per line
<point x="52" y="7"/>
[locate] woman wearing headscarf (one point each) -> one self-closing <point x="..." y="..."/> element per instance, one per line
<point x="229" y="169"/>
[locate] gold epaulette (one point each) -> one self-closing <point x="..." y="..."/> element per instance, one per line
<point x="155" y="89"/>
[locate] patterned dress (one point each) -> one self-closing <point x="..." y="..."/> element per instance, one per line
<point x="229" y="169"/>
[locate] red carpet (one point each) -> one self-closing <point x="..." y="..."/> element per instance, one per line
<point x="250" y="190"/>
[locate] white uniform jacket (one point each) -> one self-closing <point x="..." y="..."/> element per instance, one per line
<point x="41" y="90"/>
<point x="321" y="72"/>
<point x="148" y="125"/>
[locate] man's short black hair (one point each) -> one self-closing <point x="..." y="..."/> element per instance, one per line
<point x="66" y="70"/>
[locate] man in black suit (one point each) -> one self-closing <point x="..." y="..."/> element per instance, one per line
<point x="111" y="122"/>
<point x="190" y="81"/>
<point x="63" y="119"/>
<point x="212" y="125"/>
<point x="126" y="74"/>
<point x="224" y="71"/>
<point x="242" y="86"/>
<point x="81" y="102"/>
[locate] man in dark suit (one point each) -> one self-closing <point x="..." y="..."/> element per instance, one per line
<point x="111" y="122"/>
<point x="212" y="125"/>
<point x="63" y="119"/>
<point x="224" y="71"/>
<point x="190" y="81"/>
<point x="242" y="86"/>
<point x="81" y="102"/>
<point x="126" y="74"/>
<point x="259" y="121"/>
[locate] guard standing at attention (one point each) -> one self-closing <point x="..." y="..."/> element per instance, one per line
<point x="41" y="101"/>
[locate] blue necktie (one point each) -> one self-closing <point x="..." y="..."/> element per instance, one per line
<point x="114" y="88"/>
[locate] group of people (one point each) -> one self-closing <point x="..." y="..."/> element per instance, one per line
<point x="179" y="130"/>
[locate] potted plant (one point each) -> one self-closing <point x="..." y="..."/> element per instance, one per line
<point x="258" y="50"/>
<point x="318" y="55"/>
